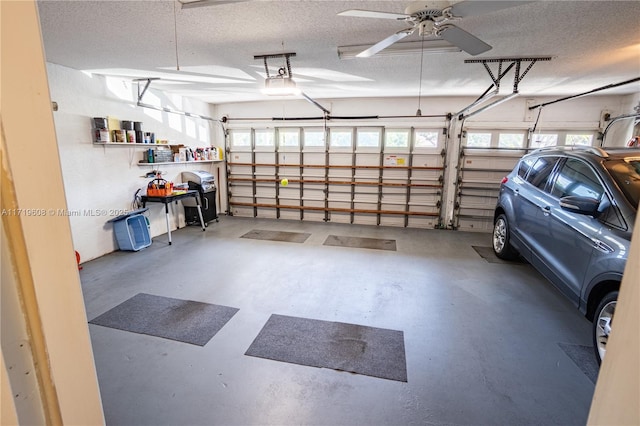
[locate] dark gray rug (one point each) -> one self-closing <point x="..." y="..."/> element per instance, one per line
<point x="584" y="358"/>
<point x="182" y="320"/>
<point x="288" y="237"/>
<point x="487" y="254"/>
<point x="370" y="351"/>
<point x="358" y="242"/>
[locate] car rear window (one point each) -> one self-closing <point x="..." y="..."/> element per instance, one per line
<point x="626" y="173"/>
<point x="540" y="171"/>
<point x="524" y="166"/>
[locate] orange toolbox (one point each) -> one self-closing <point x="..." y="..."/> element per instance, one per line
<point x="159" y="188"/>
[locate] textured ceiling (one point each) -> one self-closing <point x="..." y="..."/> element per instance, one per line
<point x="593" y="44"/>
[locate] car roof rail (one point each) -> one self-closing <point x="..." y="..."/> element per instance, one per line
<point x="591" y="149"/>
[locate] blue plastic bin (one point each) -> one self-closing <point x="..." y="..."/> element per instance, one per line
<point x="132" y="233"/>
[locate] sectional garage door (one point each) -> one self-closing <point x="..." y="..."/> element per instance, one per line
<point x="485" y="157"/>
<point x="361" y="175"/>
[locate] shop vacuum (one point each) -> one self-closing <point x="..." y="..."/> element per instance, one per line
<point x="204" y="183"/>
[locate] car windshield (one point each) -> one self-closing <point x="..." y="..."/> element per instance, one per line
<point x="626" y="173"/>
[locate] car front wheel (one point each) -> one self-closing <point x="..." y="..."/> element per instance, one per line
<point x="602" y="322"/>
<point x="501" y="239"/>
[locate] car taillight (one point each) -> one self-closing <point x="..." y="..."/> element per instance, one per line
<point x="504" y="180"/>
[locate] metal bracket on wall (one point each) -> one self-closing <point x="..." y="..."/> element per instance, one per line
<point x="497" y="78"/>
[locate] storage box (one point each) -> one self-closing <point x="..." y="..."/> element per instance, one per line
<point x="132" y="233"/>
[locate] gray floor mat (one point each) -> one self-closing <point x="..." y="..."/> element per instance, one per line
<point x="584" y="358"/>
<point x="358" y="242"/>
<point x="289" y="237"/>
<point x="354" y="348"/>
<point x="182" y="320"/>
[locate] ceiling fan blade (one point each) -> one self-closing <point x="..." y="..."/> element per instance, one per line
<point x="385" y="43"/>
<point x="464" y="40"/>
<point x="479" y="7"/>
<point x="205" y="3"/>
<point x="360" y="13"/>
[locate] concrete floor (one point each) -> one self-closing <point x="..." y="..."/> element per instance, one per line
<point x="482" y="339"/>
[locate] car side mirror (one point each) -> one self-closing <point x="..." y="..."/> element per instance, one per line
<point x="580" y="205"/>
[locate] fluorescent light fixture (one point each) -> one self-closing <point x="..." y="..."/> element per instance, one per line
<point x="280" y="86"/>
<point x="400" y="48"/>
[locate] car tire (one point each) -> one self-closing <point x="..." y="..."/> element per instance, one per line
<point x="602" y="322"/>
<point x="501" y="239"/>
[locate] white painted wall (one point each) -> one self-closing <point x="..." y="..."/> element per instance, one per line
<point x="106" y="178"/>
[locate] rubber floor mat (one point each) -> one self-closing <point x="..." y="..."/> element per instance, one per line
<point x="584" y="358"/>
<point x="359" y="242"/>
<point x="370" y="351"/>
<point x="288" y="237"/>
<point x="181" y="320"/>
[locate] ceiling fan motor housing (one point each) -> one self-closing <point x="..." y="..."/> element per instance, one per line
<point x="421" y="10"/>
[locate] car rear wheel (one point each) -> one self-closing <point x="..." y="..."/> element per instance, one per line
<point x="602" y="322"/>
<point x="501" y="239"/>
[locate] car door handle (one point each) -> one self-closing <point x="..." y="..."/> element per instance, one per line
<point x="546" y="210"/>
<point x="517" y="192"/>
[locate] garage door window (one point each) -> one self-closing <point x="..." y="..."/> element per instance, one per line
<point x="579" y="139"/>
<point x="288" y="138"/>
<point x="240" y="138"/>
<point x="511" y="140"/>
<point x="396" y="139"/>
<point x="426" y="138"/>
<point x="478" y="140"/>
<point x="540" y="140"/>
<point x="264" y="138"/>
<point x="341" y="138"/>
<point x="313" y="138"/>
<point x="368" y="138"/>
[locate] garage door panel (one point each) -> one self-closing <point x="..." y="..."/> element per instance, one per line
<point x="346" y="178"/>
<point x="422" y="222"/>
<point x="392" y="220"/>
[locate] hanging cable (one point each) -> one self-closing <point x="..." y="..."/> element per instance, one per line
<point x="175" y="35"/>
<point x="532" y="131"/>
<point x="419" y="111"/>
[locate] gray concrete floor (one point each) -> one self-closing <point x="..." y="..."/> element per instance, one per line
<point x="481" y="339"/>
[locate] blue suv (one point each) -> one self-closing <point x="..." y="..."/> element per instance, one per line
<point x="570" y="213"/>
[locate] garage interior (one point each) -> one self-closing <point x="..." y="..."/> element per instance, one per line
<point x="405" y="148"/>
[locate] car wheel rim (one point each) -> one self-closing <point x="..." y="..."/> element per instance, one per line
<point x="603" y="327"/>
<point x="499" y="235"/>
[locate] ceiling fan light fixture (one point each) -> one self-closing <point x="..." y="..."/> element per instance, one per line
<point x="403" y="48"/>
<point x="280" y="86"/>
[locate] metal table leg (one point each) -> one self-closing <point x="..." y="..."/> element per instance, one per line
<point x="166" y="210"/>
<point x="199" y="212"/>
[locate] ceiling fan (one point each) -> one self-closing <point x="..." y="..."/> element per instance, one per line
<point x="435" y="18"/>
<point x="189" y="4"/>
